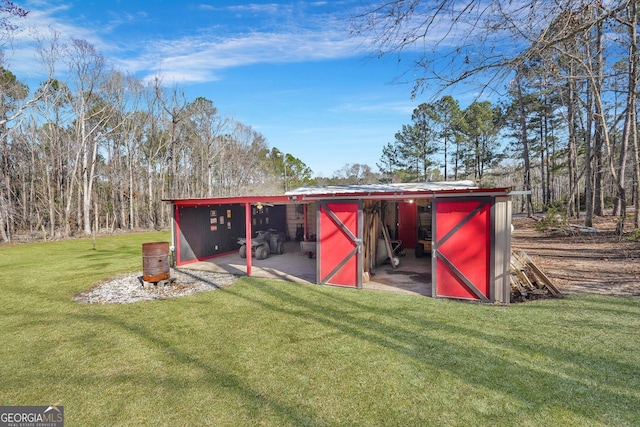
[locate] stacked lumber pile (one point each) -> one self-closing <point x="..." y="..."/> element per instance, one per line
<point x="528" y="281"/>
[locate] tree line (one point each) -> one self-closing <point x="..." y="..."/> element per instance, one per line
<point x="93" y="148"/>
<point x="567" y="115"/>
<point x="445" y="142"/>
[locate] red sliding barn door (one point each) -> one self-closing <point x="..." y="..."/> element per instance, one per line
<point x="462" y="256"/>
<point x="339" y="249"/>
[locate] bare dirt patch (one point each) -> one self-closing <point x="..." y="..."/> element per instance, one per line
<point x="576" y="261"/>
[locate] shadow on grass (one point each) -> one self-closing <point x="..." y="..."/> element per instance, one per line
<point x="621" y="308"/>
<point x="216" y="374"/>
<point x="199" y="277"/>
<point x="548" y="375"/>
<point x="471" y="342"/>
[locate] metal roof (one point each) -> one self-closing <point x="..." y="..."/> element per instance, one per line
<point x="412" y="190"/>
<point x="364" y="191"/>
<point x="200" y="201"/>
<point x="409" y="187"/>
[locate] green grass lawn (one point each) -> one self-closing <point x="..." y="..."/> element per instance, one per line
<point x="274" y="353"/>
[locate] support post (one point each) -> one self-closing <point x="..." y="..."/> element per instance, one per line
<point x="247" y="222"/>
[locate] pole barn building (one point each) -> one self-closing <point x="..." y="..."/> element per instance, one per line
<point x="351" y="230"/>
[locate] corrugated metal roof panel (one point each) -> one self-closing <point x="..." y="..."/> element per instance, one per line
<point x="364" y="191"/>
<point x="416" y="187"/>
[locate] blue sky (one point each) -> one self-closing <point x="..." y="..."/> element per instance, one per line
<point x="288" y="69"/>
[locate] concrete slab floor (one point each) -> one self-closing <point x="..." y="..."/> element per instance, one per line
<point x="412" y="276"/>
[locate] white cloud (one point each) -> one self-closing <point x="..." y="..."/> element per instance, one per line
<point x="197" y="58"/>
<point x="41" y="24"/>
<point x="403" y="108"/>
<point x="256" y="8"/>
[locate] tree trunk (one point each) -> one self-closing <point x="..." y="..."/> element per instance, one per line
<point x="6" y="203"/>
<point x="629" y="119"/>
<point x="543" y="166"/>
<point x="588" y="177"/>
<point x="524" y="140"/>
<point x="636" y="170"/>
<point x="600" y="127"/>
<point x="455" y="161"/>
<point x="131" y="191"/>
<point x="445" y="156"/>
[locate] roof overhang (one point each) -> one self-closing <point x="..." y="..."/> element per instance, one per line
<point x="418" y="190"/>
<point x="279" y="200"/>
<point x="403" y="191"/>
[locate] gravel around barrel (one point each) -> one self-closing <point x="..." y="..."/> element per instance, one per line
<point x="130" y="288"/>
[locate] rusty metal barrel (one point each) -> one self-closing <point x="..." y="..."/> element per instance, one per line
<point x="155" y="261"/>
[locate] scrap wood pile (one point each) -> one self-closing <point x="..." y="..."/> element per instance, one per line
<point x="528" y="281"/>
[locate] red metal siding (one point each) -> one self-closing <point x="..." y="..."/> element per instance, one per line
<point x="407" y="224"/>
<point x="339" y="249"/>
<point x="462" y="249"/>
